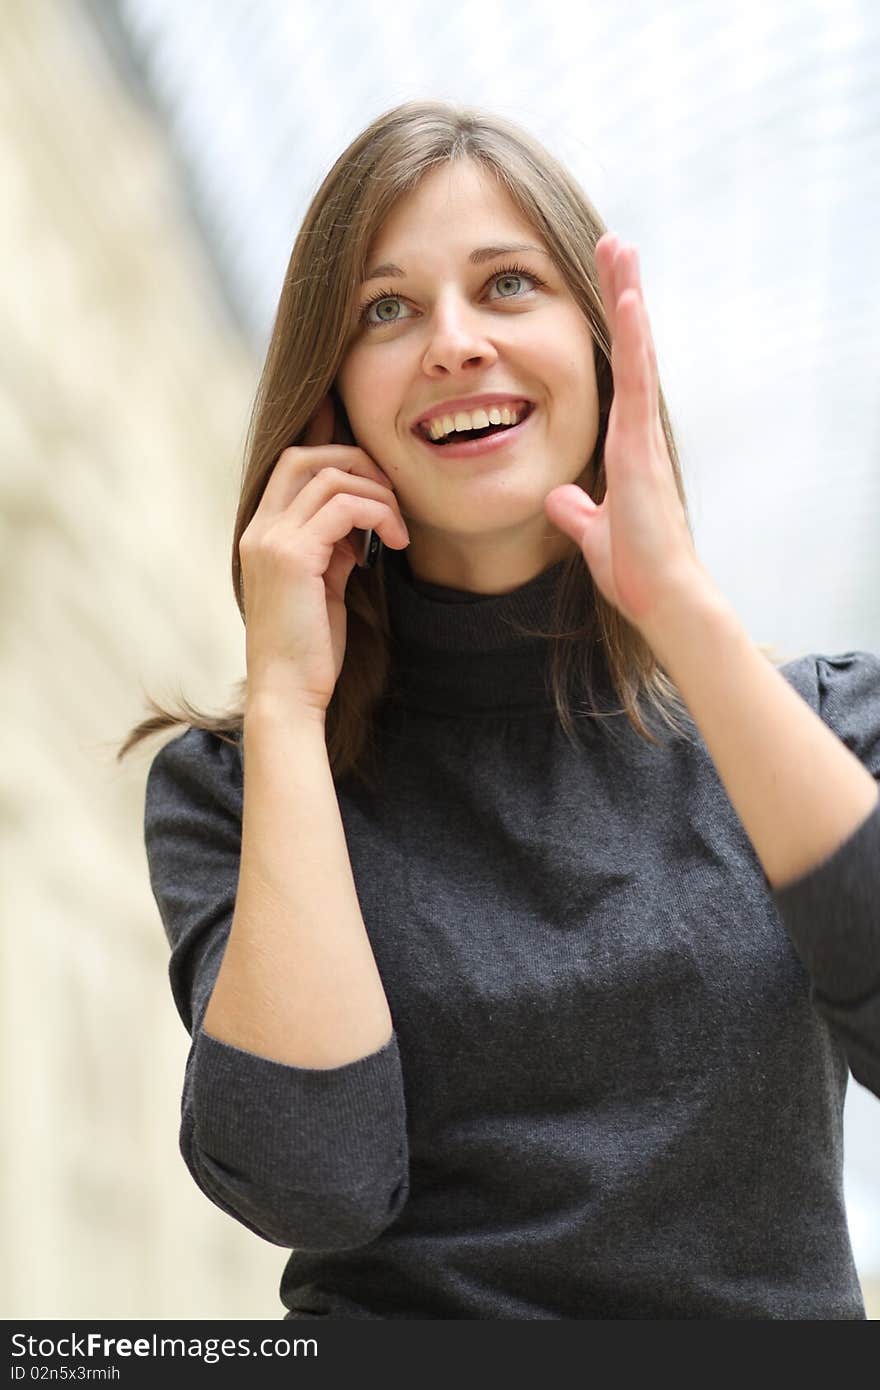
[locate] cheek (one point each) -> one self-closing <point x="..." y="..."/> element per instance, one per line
<point x="585" y="390"/>
<point x="353" y="382"/>
<point x="574" y="389"/>
<point x="370" y="397"/>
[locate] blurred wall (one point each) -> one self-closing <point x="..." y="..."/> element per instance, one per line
<point x="124" y="394"/>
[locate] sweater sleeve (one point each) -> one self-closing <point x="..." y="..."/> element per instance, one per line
<point x="832" y="913"/>
<point x="309" y="1158"/>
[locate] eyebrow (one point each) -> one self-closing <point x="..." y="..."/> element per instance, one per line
<point x="476" y="257"/>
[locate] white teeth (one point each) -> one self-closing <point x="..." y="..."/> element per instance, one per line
<point x="477" y="419"/>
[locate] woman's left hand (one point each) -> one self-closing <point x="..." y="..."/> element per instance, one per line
<point x="636" y="543"/>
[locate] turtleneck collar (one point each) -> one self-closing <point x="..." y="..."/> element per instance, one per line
<point x="456" y="652"/>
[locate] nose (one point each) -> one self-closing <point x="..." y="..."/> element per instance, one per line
<point x="458" y="338"/>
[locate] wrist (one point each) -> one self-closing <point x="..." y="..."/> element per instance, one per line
<point x="268" y="703"/>
<point x="684" y="617"/>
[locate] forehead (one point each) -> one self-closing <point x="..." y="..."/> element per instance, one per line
<point x="456" y="205"/>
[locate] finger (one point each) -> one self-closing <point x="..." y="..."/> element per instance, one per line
<point x="626" y="275"/>
<point x="606" y="249"/>
<point x="648" y="338"/>
<point x="630" y="277"/>
<point x="333" y="481"/>
<point x="297" y="465"/>
<point x="633" y="393"/>
<point x="346" y="513"/>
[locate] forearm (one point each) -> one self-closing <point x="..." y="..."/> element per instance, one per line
<point x="298" y="983"/>
<point x="797" y="789"/>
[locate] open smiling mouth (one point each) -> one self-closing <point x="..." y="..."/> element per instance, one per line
<point x="463" y="443"/>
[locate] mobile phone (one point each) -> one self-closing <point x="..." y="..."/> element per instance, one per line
<point x="367" y="544"/>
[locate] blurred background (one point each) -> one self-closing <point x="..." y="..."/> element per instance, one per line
<point x="156" y="160"/>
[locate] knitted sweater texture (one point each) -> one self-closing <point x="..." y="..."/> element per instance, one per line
<point x="616" y="1078"/>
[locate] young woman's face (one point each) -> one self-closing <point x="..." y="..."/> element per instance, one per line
<point x="450" y="328"/>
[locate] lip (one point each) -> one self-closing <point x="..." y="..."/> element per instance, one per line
<point x="469" y="403"/>
<point x="490" y="444"/>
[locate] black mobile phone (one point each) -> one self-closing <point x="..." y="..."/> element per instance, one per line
<point x="368" y="545"/>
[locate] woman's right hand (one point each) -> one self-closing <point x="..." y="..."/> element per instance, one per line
<point x="296" y="557"/>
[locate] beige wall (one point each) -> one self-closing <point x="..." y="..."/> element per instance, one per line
<point x="123" y="403"/>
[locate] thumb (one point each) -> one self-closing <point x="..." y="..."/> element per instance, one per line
<point x="571" y="509"/>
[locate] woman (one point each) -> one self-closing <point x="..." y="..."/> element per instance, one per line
<point x="505" y="1004"/>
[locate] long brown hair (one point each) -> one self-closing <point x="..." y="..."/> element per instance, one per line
<point x="308" y="344"/>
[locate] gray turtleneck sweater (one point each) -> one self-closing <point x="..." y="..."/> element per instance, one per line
<point x="617" y="1074"/>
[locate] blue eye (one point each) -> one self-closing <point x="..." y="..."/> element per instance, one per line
<point x="389" y="297"/>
